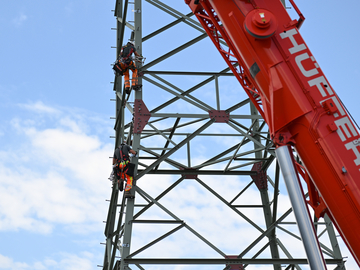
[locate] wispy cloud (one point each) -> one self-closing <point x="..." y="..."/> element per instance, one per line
<point x="39" y="107"/>
<point x="20" y="19"/>
<point x="69" y="9"/>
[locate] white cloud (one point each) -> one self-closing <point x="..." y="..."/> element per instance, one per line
<point x="65" y="262"/>
<point x="58" y="177"/>
<point x="7" y="263"/>
<point x="75" y="262"/>
<point x="61" y="179"/>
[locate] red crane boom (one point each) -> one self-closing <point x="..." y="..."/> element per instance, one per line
<point x="281" y="76"/>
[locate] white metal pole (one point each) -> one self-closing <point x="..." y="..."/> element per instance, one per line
<point x="302" y="215"/>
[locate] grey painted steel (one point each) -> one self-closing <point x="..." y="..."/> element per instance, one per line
<point x="265" y="196"/>
<point x="307" y="232"/>
<point x="201" y="172"/>
<point x="168" y="147"/>
<point x="196" y="73"/>
<point x="175" y="51"/>
<point x="203" y="116"/>
<point x="178" y="219"/>
<point x="118" y="80"/>
<point x="224" y="261"/>
<point x="135" y="145"/>
<point x="334" y="243"/>
<point x="187" y="92"/>
<point x="255" y="127"/>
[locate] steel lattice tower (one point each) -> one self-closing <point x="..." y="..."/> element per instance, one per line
<point x="206" y="176"/>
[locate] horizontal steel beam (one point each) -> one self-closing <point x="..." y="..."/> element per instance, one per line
<point x="204" y="116"/>
<point x="157" y="221"/>
<point x="152" y="132"/>
<point x="224" y="261"/>
<point x="187" y="73"/>
<point x="201" y="172"/>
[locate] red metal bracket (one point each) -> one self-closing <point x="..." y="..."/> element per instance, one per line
<point x="219" y="116"/>
<point x="189" y="176"/>
<point x="315" y="201"/>
<point x="301" y="16"/>
<point x="141" y="116"/>
<point x="329" y="106"/>
<point x="234" y="266"/>
<point x="260" y="179"/>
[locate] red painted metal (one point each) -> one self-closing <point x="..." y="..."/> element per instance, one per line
<point x="234" y="266"/>
<point x="260" y="179"/>
<point x="141" y="116"/>
<point x="219" y="116"/>
<point x="286" y="84"/>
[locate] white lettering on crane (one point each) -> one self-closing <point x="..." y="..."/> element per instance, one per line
<point x="306" y="73"/>
<point x="319" y="82"/>
<point x="346" y="125"/>
<point x="353" y="146"/>
<point x="290" y="34"/>
<point x="345" y="128"/>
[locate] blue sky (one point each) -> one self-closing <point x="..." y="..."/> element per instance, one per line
<point x="54" y="132"/>
<point x="55" y="121"/>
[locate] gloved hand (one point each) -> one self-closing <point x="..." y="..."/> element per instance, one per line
<point x="112" y="176"/>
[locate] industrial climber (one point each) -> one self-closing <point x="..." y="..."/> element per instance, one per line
<point x="123" y="169"/>
<point x="124" y="63"/>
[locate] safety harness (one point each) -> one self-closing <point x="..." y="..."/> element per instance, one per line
<point x="125" y="59"/>
<point x="125" y="53"/>
<point x="122" y="163"/>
